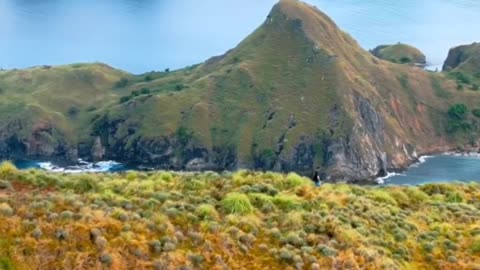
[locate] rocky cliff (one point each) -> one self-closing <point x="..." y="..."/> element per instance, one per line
<point x="463" y="58"/>
<point x="297" y="94"/>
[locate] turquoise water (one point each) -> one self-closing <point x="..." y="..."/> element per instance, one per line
<point x="440" y="169"/>
<point x="144" y="35"/>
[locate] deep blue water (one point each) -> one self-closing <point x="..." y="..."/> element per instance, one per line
<point x="145" y="35"/>
<point x="440" y="169"/>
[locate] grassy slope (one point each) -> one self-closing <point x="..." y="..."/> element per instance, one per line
<point x="57" y="95"/>
<point x="244" y="221"/>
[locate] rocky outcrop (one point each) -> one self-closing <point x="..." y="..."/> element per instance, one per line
<point x="42" y="140"/>
<point x="361" y="153"/>
<point x="463" y="58"/>
<point x="400" y="53"/>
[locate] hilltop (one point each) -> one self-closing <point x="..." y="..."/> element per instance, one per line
<point x="242" y="220"/>
<point x="400" y="53"/>
<point x="296" y="94"/>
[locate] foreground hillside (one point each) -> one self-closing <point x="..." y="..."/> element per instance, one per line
<point x="244" y="220"/>
<point x="296" y="94"/>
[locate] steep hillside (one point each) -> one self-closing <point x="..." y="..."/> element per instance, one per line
<point x="297" y="94"/>
<point x="463" y="65"/>
<point x="464" y="58"/>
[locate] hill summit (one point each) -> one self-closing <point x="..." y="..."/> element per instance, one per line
<point x="296" y="95"/>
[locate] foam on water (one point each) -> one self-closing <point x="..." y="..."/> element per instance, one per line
<point x="81" y="167"/>
<point x="381" y="180"/>
<point x="457" y="154"/>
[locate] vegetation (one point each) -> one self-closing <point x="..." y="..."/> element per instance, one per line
<point x="243" y="220"/>
<point x="400" y="53"/>
<point x="457" y="115"/>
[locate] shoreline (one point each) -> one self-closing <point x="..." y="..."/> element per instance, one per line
<point x="423" y="158"/>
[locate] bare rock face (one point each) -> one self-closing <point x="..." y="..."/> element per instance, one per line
<point x="98" y="151"/>
<point x="361" y="154"/>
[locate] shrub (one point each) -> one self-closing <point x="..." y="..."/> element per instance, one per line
<point x="179" y="87"/>
<point x="236" y="203"/>
<point x="7" y="169"/>
<point x="475" y="246"/>
<point x="37" y="233"/>
<point x="295" y="180"/>
<point x="461" y="77"/>
<point x="61" y="234"/>
<point x="85" y="183"/>
<point x="106" y="259"/>
<point x="382" y="196"/>
<point x="454" y="197"/>
<point x="206" y="211"/>
<point x="327" y="251"/>
<point x="428" y="247"/>
<point x="476" y="112"/>
<point x="405" y="60"/>
<point x="458" y="112"/>
<point x="124" y="99"/>
<point x="6" y="210"/>
<point x="168" y="247"/>
<point x="145" y="91"/>
<point x="101" y="243"/>
<point x="475" y="87"/>
<point x="65" y="215"/>
<point x="196" y="259"/>
<point x="287" y="202"/>
<point x="121" y="83"/>
<point x="5" y="185"/>
<point x="262" y="201"/>
<point x="416" y="196"/>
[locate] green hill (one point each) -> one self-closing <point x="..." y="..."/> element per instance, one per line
<point x="400" y="53"/>
<point x="296" y="94"/>
<point x="463" y="65"/>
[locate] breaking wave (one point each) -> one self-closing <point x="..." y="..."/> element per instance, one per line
<point x="82" y="167"/>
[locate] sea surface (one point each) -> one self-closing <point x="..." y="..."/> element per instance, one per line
<point x="439" y="169"/>
<point x="430" y="169"/>
<point x="144" y="35"/>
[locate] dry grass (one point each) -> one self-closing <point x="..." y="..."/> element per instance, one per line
<point x="212" y="221"/>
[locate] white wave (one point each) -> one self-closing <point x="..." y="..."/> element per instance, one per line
<point x="420" y="160"/>
<point x="381" y="180"/>
<point x="423" y="159"/>
<point x="460" y="154"/>
<point x="81" y="167"/>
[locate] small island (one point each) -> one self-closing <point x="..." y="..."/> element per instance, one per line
<point x="400" y="53"/>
